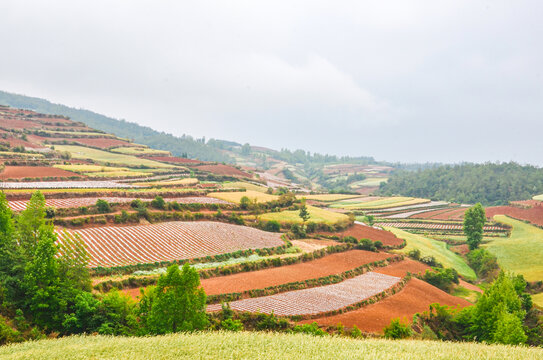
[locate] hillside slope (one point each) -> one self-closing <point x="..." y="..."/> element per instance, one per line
<point x="139" y="134"/>
<point x="256" y="346"/>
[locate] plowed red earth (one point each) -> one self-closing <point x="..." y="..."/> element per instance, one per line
<point x="451" y="214"/>
<point x="328" y="265"/>
<point x="367" y="232"/>
<point x="19" y="142"/>
<point x="533" y="215"/>
<point x="415" y="297"/>
<point x="20" y="172"/>
<point x="401" y="268"/>
<point x="221" y="169"/>
<point x="173" y="159"/>
<point x="527" y="203"/>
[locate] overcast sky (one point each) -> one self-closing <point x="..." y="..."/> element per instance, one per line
<point x="416" y="81"/>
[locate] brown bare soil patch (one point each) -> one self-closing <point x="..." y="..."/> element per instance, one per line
<point x="469" y="286"/>
<point x="367" y="232"/>
<point x="401" y="268"/>
<point x="309" y="245"/>
<point x="527" y="203"/>
<point x="367" y="190"/>
<point x="461" y="249"/>
<point x="415" y="297"/>
<point x="19" y="142"/>
<point x="18" y="124"/>
<point x="328" y="265"/>
<point x="20" y="172"/>
<point x="533" y="215"/>
<point x="221" y="169"/>
<point x="441" y="214"/>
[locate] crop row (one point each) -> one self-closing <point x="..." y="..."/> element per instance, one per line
<point x="87" y="184"/>
<point x="410" y="225"/>
<point x="118" y="246"/>
<point x="19" y="205"/>
<point x="317" y="300"/>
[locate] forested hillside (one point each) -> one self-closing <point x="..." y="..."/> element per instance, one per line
<point x="179" y="146"/>
<point x="490" y="184"/>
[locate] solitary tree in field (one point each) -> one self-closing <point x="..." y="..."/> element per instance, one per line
<point x="304" y="213"/>
<point x="474" y="220"/>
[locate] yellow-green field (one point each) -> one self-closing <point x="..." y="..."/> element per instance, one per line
<point x="12" y="153"/>
<point x="84" y="168"/>
<point x="318" y="215"/>
<point x="134" y="150"/>
<point x="538" y="299"/>
<point x="254" y="345"/>
<point x="82" y="152"/>
<point x="328" y="197"/>
<point x="435" y="248"/>
<point x="538" y="197"/>
<point x="369" y="182"/>
<point x="235" y="197"/>
<point x="119" y="173"/>
<point x="244" y="185"/>
<point x="522" y="252"/>
<point x="379" y="203"/>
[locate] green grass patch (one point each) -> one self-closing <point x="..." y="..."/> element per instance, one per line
<point x="13" y="153"/>
<point x="328" y="197"/>
<point x="235" y="197"/>
<point x="381" y="203"/>
<point x="82" y="152"/>
<point x="256" y="345"/>
<point x="318" y="215"/>
<point x="435" y="248"/>
<point x="244" y="185"/>
<point x="538" y="197"/>
<point x="522" y="252"/>
<point x="538" y="299"/>
<point x="369" y="182"/>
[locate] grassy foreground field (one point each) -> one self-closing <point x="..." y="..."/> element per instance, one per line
<point x="222" y="345"/>
<point x="435" y="248"/>
<point x="522" y="252"/>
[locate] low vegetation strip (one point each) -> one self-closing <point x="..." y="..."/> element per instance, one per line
<point x="256" y="345"/>
<point x="140" y="244"/>
<point x="415" y="297"/>
<point x="317" y="215"/>
<point x="317" y="300"/>
<point x="235" y="197"/>
<point x="438" y="249"/>
<point x="522" y="252"/>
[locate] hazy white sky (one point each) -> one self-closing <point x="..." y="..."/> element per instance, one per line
<point x="399" y="80"/>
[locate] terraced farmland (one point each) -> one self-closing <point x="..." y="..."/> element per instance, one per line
<point x="372" y="203"/>
<point x="317" y="215"/>
<point x="235" y="197"/>
<point x="19" y="205"/>
<point x="86" y="184"/>
<point x="433" y="226"/>
<point x="317" y="300"/>
<point x="117" y="246"/>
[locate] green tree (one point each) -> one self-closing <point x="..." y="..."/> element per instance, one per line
<point x="474" y="220"/>
<point x="30" y="222"/>
<point x="244" y="202"/>
<point x="158" y="203"/>
<point x="103" y="206"/>
<point x="397" y="330"/>
<point x="304" y="213"/>
<point x="177" y="303"/>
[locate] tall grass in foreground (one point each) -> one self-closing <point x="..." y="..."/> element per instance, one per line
<point x="223" y="345"/>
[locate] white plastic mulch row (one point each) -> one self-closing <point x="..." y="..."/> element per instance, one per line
<point x="19" y="205"/>
<point x="416" y="206"/>
<point x="87" y="184"/>
<point x="125" y="245"/>
<point x="316" y="300"/>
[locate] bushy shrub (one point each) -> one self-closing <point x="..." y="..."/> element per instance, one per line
<point x="414" y="254"/>
<point x="158" y="203"/>
<point x="103" y="206"/>
<point x="397" y="330"/>
<point x="236" y="219"/>
<point x="271" y="322"/>
<point x="232" y="325"/>
<point x="430" y="261"/>
<point x="272" y="226"/>
<point x="366" y="244"/>
<point x="441" y="278"/>
<point x="312" y="329"/>
<point x="483" y="262"/>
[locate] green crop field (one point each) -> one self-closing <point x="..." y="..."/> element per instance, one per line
<point x="244" y="185"/>
<point x="522" y="252"/>
<point x="235" y="197"/>
<point x="119" y="173"/>
<point x="371" y="181"/>
<point x="318" y="215"/>
<point x="90" y="168"/>
<point x="328" y="197"/>
<point x="139" y="151"/>
<point x="380" y="203"/>
<point x="82" y="152"/>
<point x="13" y="153"/>
<point x="435" y="248"/>
<point x="254" y="345"/>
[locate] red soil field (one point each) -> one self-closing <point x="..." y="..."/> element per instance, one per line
<point x="415" y="297"/>
<point x="402" y="267"/>
<point x="19" y="142"/>
<point x="328" y="265"/>
<point x="441" y="214"/>
<point x="20" y="172"/>
<point x="221" y="169"/>
<point x="102" y="143"/>
<point x="527" y="203"/>
<point x="18" y="124"/>
<point x="173" y="159"/>
<point x="533" y="215"/>
<point x="367" y="232"/>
